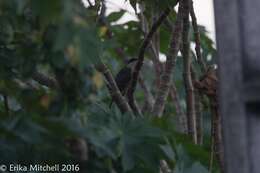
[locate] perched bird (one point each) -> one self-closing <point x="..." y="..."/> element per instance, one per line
<point x="124" y="76"/>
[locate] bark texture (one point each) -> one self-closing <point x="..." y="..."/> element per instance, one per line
<point x="190" y="97"/>
<point x="171" y="58"/>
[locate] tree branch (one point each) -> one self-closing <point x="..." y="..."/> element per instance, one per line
<point x="190" y="99"/>
<point x="198" y="109"/>
<point x="197" y="38"/>
<point x="45" y="80"/>
<point x="154" y="54"/>
<point x="6" y="104"/>
<point x="171" y="58"/>
<point x="182" y="119"/>
<point x="113" y="89"/>
<point x="90" y="4"/>
<point x="149" y="100"/>
<point x="109" y="34"/>
<point x="144" y="45"/>
<point x="208" y="86"/>
<point x="216" y="133"/>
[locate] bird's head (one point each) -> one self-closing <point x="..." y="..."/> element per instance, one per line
<point x="131" y="63"/>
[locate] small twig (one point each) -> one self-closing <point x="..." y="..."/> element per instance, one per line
<point x="90" y="4"/>
<point x="211" y="159"/>
<point x="6" y="104"/>
<point x="182" y="119"/>
<point x="198" y="108"/>
<point x="171" y="58"/>
<point x="149" y="100"/>
<point x="113" y="89"/>
<point x="199" y="118"/>
<point x="144" y="45"/>
<point x="197" y="38"/>
<point x="158" y="66"/>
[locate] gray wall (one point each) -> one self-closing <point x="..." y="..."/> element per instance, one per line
<point x="238" y="44"/>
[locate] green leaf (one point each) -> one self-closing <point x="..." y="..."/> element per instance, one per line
<point x="47" y="10"/>
<point x="167" y="149"/>
<point x="64" y="35"/>
<point x="90" y="47"/>
<point x="197" y="167"/>
<point x="115" y="16"/>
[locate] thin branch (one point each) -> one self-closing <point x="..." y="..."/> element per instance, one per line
<point x="208" y="86"/>
<point x="144" y="45"/>
<point x="211" y="158"/>
<point x="216" y="133"/>
<point x="113" y="89"/>
<point x="154" y="52"/>
<point x="6" y="104"/>
<point x="90" y="4"/>
<point x="158" y="66"/>
<point x="153" y="49"/>
<point x="45" y="80"/>
<point x="182" y="119"/>
<point x="149" y="99"/>
<point x="197" y="38"/>
<point x="171" y="58"/>
<point x="199" y="118"/>
<point x="198" y="109"/>
<point x="190" y="99"/>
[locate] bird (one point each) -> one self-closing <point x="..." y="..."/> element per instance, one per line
<point x="124" y="77"/>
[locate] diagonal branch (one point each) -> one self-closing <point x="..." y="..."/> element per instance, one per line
<point x="45" y="80"/>
<point x="113" y="89"/>
<point x="171" y="58"/>
<point x="119" y="50"/>
<point x="144" y="46"/>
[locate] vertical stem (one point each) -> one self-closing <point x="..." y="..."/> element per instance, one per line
<point x="212" y="142"/>
<point x="149" y="100"/>
<point x="199" y="118"/>
<point x="190" y="100"/>
<point x="216" y="134"/>
<point x="171" y="58"/>
<point x="198" y="108"/>
<point x="181" y="117"/>
<point x="6" y="104"/>
<point x="197" y="38"/>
